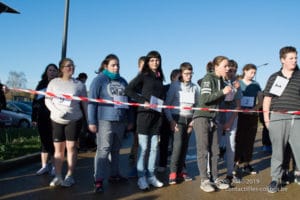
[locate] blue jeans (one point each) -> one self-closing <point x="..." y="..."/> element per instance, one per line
<point x="109" y="140"/>
<point x="148" y="147"/>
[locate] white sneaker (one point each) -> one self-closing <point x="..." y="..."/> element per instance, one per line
<point x="155" y="182"/>
<point x="57" y="181"/>
<point x="68" y="182"/>
<point x="206" y="186"/>
<point x="43" y="170"/>
<point x="142" y="183"/>
<point x="221" y="184"/>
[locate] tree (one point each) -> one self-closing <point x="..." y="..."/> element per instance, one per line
<point x="16" y="80"/>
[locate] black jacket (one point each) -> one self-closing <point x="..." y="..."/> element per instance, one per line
<point x="39" y="109"/>
<point x="140" y="89"/>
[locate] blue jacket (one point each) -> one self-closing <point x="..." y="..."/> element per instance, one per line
<point x="105" y="88"/>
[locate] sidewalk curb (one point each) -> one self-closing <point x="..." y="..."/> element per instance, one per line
<point x="17" y="162"/>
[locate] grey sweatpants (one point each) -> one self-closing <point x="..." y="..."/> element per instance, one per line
<point x="283" y="128"/>
<point x="109" y="141"/>
<point x="207" y="142"/>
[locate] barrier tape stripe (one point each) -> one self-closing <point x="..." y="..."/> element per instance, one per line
<point x="105" y="101"/>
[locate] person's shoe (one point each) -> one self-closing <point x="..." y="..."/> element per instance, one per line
<point x="184" y="176"/>
<point x="221" y="184"/>
<point x="207" y="186"/>
<point x="236" y="179"/>
<point x="98" y="186"/>
<point x="236" y="170"/>
<point x="43" y="170"/>
<point x="172" y="178"/>
<point x="117" y="179"/>
<point x="56" y="181"/>
<point x="142" y="183"/>
<point x="68" y="182"/>
<point x="228" y="180"/>
<point x="297" y="178"/>
<point x="274" y="187"/>
<point x="248" y="169"/>
<point x="285" y="179"/>
<point x="155" y="182"/>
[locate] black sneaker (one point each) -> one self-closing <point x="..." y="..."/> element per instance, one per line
<point x="248" y="169"/>
<point x="98" y="186"/>
<point x="236" y="179"/>
<point x="236" y="170"/>
<point x="228" y="180"/>
<point x="297" y="179"/>
<point x="274" y="187"/>
<point x="285" y="179"/>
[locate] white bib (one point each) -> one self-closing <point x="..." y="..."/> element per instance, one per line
<point x="187" y="97"/>
<point x="279" y="85"/>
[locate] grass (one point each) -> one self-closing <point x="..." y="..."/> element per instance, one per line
<point x="16" y="142"/>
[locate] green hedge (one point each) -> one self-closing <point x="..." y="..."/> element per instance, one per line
<point x="16" y="142"/>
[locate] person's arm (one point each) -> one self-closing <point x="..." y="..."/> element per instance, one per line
<point x="260" y="97"/>
<point x="133" y="87"/>
<point x="92" y="107"/>
<point x="266" y="110"/>
<point x="207" y="95"/>
<point x="49" y="101"/>
<point x="171" y="93"/>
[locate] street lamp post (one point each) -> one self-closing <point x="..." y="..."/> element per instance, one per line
<point x="259" y="66"/>
<point x="65" y="32"/>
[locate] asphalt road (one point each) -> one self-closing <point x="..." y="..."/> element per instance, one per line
<point x="20" y="182"/>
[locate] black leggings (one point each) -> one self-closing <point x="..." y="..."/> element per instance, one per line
<point x="45" y="132"/>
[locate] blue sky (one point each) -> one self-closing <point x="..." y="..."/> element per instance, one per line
<point x="181" y="30"/>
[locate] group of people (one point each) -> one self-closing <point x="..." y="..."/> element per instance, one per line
<point x="220" y="88"/>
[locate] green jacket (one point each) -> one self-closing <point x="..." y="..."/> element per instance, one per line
<point x="211" y="95"/>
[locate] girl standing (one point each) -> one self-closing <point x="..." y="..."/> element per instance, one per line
<point x="247" y="122"/>
<point x="66" y="115"/>
<point x="107" y="120"/>
<point x="41" y="118"/>
<point x="147" y="86"/>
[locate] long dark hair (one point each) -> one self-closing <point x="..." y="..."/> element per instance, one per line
<point x="44" y="75"/>
<point x="146" y="68"/>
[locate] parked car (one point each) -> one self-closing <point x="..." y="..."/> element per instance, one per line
<point x="19" y="112"/>
<point x="18" y="106"/>
<point x="5" y="120"/>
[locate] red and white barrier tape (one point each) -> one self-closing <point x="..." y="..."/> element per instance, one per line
<point x="105" y="101"/>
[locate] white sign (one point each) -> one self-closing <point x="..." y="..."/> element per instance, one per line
<point x="279" y="85"/>
<point x="187" y="97"/>
<point x="156" y="101"/>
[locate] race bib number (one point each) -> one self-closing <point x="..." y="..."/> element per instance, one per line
<point x="123" y="99"/>
<point x="156" y="101"/>
<point x="247" y="101"/>
<point x="61" y="101"/>
<point x="187" y="97"/>
<point x="279" y="85"/>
